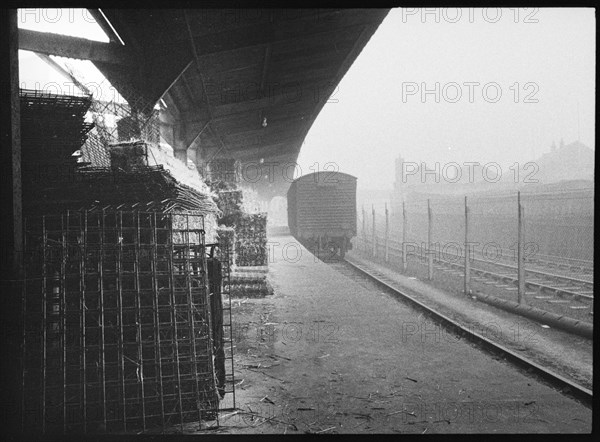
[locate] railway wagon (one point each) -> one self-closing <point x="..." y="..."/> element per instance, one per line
<point x="322" y="211"/>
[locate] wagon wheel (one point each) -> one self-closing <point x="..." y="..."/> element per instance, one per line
<point x="343" y="249"/>
<point x="333" y="249"/>
<point x="310" y="244"/>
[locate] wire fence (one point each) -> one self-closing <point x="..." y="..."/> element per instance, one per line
<point x="130" y="125"/>
<point x="529" y="239"/>
<point x="114" y="121"/>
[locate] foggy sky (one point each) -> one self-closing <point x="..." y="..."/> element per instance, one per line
<point x="370" y="125"/>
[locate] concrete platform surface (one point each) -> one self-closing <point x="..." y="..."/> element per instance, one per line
<point x="564" y="353"/>
<point x="329" y="352"/>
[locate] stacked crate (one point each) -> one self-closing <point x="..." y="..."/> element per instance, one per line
<point x="229" y="203"/>
<point x="227" y="170"/>
<point x="117" y="330"/>
<point x="243" y="233"/>
<point x="227" y="241"/>
<point x="251" y="240"/>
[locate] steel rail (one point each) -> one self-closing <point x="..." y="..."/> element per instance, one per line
<point x="566" y="386"/>
<point x="555" y="289"/>
<point x="512" y="267"/>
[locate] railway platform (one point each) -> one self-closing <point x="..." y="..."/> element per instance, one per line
<point x="564" y="353"/>
<point x="330" y="352"/>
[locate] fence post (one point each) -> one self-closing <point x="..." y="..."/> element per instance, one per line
<point x="364" y="230"/>
<point x="520" y="250"/>
<point x="374" y="251"/>
<point x="404" y="263"/>
<point x="429" y="251"/>
<point x="387" y="231"/>
<point x="467" y="262"/>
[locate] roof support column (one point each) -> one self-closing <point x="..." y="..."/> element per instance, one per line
<point x="11" y="221"/>
<point x="193" y="154"/>
<point x="180" y="146"/>
<point x="186" y="137"/>
<point x="10" y="161"/>
<point x="201" y="159"/>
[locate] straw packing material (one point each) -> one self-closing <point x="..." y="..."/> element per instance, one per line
<point x="251" y="240"/>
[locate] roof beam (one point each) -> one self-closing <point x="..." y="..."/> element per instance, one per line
<point x="286" y="147"/>
<point x="58" y="68"/>
<point x="106" y="26"/>
<point x="265" y="68"/>
<point x="171" y="105"/>
<point x="199" y="67"/>
<point x="191" y="94"/>
<point x="278" y="32"/>
<point x="122" y="29"/>
<point x="198" y="135"/>
<point x="74" y="47"/>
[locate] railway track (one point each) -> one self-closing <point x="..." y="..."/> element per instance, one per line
<point x="573" y="264"/>
<point x="559" y="268"/>
<point x="565" y="385"/>
<point x="581" y="289"/>
<point x="535" y="261"/>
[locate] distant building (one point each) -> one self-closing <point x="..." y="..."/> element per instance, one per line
<point x="444" y="178"/>
<point x="573" y="161"/>
<point x="415" y="180"/>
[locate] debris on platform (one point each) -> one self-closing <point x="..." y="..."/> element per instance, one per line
<point x="326" y="429"/>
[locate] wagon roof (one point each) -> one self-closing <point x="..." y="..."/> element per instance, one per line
<point x="324" y="174"/>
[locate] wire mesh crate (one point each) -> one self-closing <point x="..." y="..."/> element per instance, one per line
<point x="117" y="326"/>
